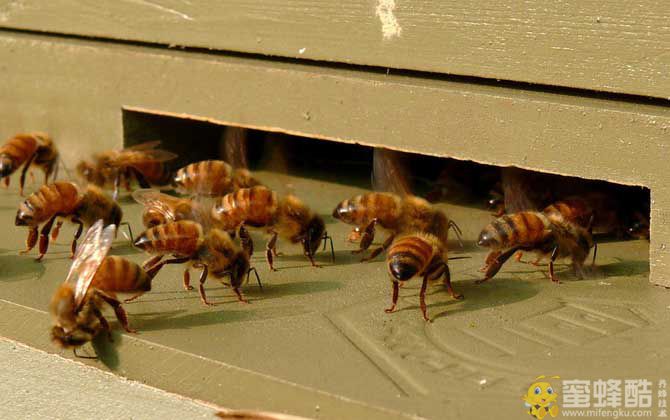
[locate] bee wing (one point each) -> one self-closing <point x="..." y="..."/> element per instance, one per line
<point x="90" y="254"/>
<point x="157" y="200"/>
<point x="390" y="172"/>
<point x="159" y="155"/>
<point x="144" y="146"/>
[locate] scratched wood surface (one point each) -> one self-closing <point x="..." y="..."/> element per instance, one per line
<point x="608" y="46"/>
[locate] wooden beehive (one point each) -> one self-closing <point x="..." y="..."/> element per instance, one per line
<point x="572" y="88"/>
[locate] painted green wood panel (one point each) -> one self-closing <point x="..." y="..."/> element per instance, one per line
<point x="617" y="46"/>
<point x="86" y="84"/>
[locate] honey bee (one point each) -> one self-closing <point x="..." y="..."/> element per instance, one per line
<point x="213" y="251"/>
<point x="547" y="235"/>
<point x="143" y="162"/>
<point x="63" y="199"/>
<point x="212" y="178"/>
<point x="395" y="214"/>
<point x="160" y="208"/>
<point x="259" y="207"/>
<point x="418" y="254"/>
<point x="28" y="150"/>
<point x="95" y="278"/>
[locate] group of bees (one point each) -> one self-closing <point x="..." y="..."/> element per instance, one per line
<point x="206" y="227"/>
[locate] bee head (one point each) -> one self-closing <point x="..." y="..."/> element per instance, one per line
<point x="6" y="166"/>
<point x="115" y="215"/>
<point x="488" y="239"/>
<point x="314" y="235"/>
<point x="344" y="212"/>
<point x="238" y="269"/>
<point x="85" y="170"/>
<point x="402" y="268"/>
<point x="68" y="340"/>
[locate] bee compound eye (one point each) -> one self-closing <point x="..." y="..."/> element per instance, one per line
<point x="538" y="390"/>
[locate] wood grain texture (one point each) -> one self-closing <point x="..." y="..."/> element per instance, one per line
<point x="613" y="46"/>
<point x="82" y="86"/>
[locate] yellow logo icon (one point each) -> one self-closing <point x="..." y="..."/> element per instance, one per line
<point x="541" y="399"/>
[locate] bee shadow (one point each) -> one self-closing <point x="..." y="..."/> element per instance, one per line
<point x="107" y="351"/>
<point x="480" y="296"/>
<point x="179" y="320"/>
<point x="342" y="257"/>
<point x="19" y="267"/>
<point x="624" y="268"/>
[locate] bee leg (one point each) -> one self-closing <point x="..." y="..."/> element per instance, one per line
<point x="187" y="279"/>
<point x="595" y="252"/>
<point x="31" y="240"/>
<point x="422" y="298"/>
<point x="44" y="237"/>
<point x="377" y="251"/>
<point x="6" y="182"/>
<point x="239" y="295"/>
<point x="148" y="264"/>
<point x="133" y="297"/>
<point x="139" y="177"/>
<point x="126" y="182"/>
<point x="354" y="235"/>
<point x="490" y="259"/>
<point x="104" y="323"/>
<point x="394" y="299"/>
<point x="120" y="313"/>
<point x="203" y="277"/>
<point x="518" y="256"/>
<point x="246" y="241"/>
<point x="22" y="180"/>
<point x="151" y="272"/>
<point x="309" y="255"/>
<point x="56" y="230"/>
<point x="77" y="234"/>
<point x="554" y="255"/>
<point x="258" y="279"/>
<point x="495" y="260"/>
<point x="117" y="182"/>
<point x="447" y="284"/>
<point x="328" y="238"/>
<point x="367" y="238"/>
<point x="272" y="243"/>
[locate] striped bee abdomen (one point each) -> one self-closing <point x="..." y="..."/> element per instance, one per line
<point x="59" y="197"/>
<point x="523" y="228"/>
<point x="180" y="238"/>
<point x="252" y="206"/>
<point x="208" y="177"/>
<point x="19" y="148"/>
<point x="409" y="256"/>
<point x="117" y="274"/>
<point x="361" y="209"/>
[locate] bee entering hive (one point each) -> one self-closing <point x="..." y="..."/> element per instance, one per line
<point x="537" y="218"/>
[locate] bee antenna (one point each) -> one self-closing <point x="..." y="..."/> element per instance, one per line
<point x="61" y="162"/>
<point x="327" y="237"/>
<point x="130" y="232"/>
<point x="457" y="231"/>
<point x="258" y="279"/>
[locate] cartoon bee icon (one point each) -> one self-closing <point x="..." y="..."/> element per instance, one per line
<point x="541" y="399"/>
